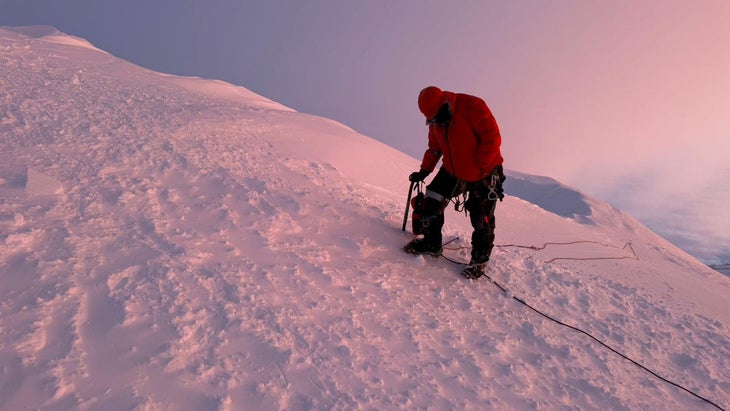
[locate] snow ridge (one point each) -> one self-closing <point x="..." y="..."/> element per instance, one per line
<point x="51" y="34"/>
<point x="723" y="268"/>
<point x="163" y="247"/>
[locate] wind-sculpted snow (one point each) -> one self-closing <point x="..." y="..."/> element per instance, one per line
<point x="166" y="248"/>
<point x="549" y="195"/>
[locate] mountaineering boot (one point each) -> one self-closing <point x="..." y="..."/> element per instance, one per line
<point x="420" y="246"/>
<point x="474" y="270"/>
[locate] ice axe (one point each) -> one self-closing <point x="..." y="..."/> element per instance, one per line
<point x="408" y="206"/>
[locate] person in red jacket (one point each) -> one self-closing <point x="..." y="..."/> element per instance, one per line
<point x="463" y="133"/>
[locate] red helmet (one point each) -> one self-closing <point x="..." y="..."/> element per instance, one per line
<point x="430" y="101"/>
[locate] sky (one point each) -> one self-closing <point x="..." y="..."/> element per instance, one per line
<point x="643" y="84"/>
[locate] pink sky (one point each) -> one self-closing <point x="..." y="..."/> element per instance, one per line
<point x="635" y="84"/>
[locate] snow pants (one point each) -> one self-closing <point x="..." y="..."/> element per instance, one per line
<point x="482" y="197"/>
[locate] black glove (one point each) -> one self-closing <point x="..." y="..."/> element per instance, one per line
<point x="418" y="176"/>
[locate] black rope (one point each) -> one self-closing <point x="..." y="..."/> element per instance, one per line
<point x="523" y="302"/>
<point x="633" y="255"/>
<point x="610" y="348"/>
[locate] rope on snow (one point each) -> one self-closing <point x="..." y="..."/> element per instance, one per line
<point x="553" y="319"/>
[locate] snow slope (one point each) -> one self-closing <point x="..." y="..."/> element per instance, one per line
<point x="175" y="243"/>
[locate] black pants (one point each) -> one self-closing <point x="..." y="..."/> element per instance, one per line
<point x="481" y="202"/>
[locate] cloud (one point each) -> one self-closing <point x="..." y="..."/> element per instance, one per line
<point x="694" y="215"/>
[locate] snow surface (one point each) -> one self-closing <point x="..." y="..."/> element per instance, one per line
<point x="174" y="243"/>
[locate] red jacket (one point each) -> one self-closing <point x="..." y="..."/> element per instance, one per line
<point x="470" y="144"/>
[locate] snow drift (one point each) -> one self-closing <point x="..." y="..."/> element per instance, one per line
<point x="184" y="244"/>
